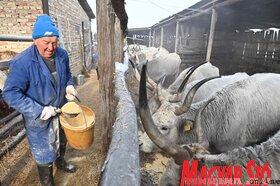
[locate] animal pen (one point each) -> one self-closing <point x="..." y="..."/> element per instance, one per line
<point x="216" y="30"/>
<point x="235" y="35"/>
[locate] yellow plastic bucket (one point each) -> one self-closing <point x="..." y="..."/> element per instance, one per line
<point x="79" y="129"/>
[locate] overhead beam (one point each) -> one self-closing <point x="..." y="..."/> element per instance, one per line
<point x="208" y="10"/>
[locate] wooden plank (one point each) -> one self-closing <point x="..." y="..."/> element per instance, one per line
<point x="15" y="141"/>
<point x="10" y="124"/>
<point x="105" y="36"/>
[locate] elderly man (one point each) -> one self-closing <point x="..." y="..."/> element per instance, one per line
<point x="39" y="81"/>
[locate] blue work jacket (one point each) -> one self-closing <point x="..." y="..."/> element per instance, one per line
<point x="28" y="88"/>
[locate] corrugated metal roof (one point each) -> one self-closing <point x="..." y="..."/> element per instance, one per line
<point x="236" y="14"/>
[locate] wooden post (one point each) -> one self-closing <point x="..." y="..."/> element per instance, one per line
<point x="150" y="37"/>
<point x="83" y="44"/>
<point x="161" y="36"/>
<point x="211" y="34"/>
<point x="177" y="37"/>
<point x="154" y="37"/>
<point x="45" y="6"/>
<point x="106" y="67"/>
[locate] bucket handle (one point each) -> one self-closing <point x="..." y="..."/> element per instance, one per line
<point x="84" y="118"/>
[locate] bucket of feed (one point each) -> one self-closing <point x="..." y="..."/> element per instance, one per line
<point x="78" y="124"/>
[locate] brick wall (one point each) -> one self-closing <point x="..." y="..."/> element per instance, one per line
<point x="17" y="18"/>
<point x="68" y="15"/>
<point x="13" y="46"/>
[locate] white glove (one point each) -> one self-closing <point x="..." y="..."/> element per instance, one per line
<point x="70" y="93"/>
<point x="48" y="112"/>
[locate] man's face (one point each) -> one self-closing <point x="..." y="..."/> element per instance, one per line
<point x="46" y="46"/>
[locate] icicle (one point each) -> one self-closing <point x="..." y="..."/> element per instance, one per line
<point x="266" y="32"/>
<point x="258" y="48"/>
<point x="276" y="32"/>
<point x="273" y="34"/>
<point x="244" y="49"/>
<point x="273" y="53"/>
<point x="255" y="30"/>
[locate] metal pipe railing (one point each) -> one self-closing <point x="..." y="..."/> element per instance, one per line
<point x="15" y="38"/>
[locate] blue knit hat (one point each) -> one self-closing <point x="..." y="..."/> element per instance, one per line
<point x="44" y="27"/>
